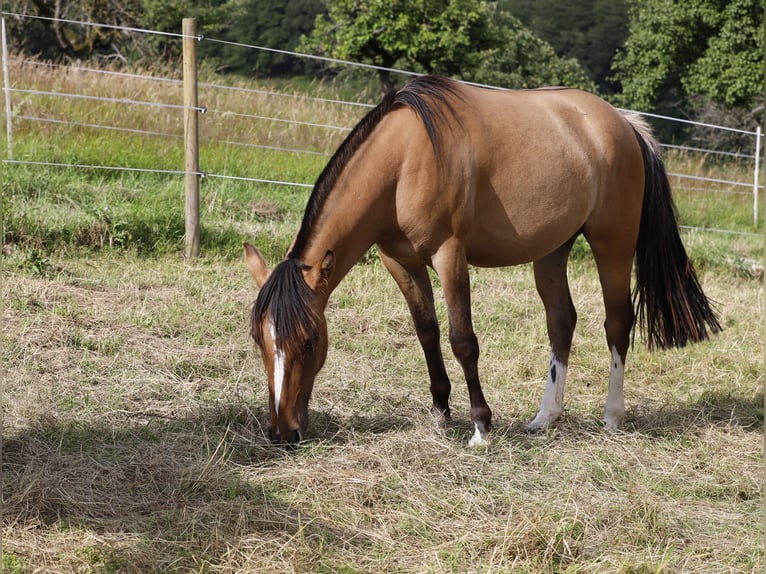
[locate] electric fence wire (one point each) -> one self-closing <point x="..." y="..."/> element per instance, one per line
<point x="201" y="109"/>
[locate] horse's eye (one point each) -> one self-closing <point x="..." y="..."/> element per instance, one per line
<point x="309" y="345"/>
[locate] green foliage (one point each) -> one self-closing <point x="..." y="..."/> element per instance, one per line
<point x="517" y="58"/>
<point x="464" y="38"/>
<point x="270" y="23"/>
<point x="167" y="16"/>
<point x="54" y="39"/>
<point x="12" y="564"/>
<point x="712" y="48"/>
<point x="589" y="31"/>
<point x="57" y="39"/>
<point x="35" y="262"/>
<point x="730" y="72"/>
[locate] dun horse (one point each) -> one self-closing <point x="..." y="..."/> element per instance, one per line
<point x="445" y="175"/>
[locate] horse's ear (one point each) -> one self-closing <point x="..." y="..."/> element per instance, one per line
<point x="318" y="275"/>
<point x="256" y="264"/>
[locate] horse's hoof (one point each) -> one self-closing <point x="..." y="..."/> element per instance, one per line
<point x="441" y="416"/>
<point x="613" y="422"/>
<point x="542" y="421"/>
<point x="538" y="426"/>
<point x="479" y="438"/>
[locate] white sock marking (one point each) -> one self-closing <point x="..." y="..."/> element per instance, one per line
<point x="552" y="404"/>
<point x="279" y="368"/>
<point x="477" y="439"/>
<point x="614" y="411"/>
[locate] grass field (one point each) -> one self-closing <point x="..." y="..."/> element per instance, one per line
<point x="134" y="403"/>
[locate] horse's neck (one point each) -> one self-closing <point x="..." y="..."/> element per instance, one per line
<point x="353" y="219"/>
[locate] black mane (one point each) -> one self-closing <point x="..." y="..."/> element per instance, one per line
<point x="285" y="298"/>
<point x="420" y="95"/>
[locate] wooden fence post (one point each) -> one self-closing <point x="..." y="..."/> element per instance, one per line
<point x="7" y="92"/>
<point x="758" y="136"/>
<point x="191" y="138"/>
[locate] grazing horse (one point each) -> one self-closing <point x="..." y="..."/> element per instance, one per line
<point x="447" y="175"/>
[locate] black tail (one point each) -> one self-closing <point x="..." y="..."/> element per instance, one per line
<point x="672" y="310"/>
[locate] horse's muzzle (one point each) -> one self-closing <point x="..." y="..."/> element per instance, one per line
<point x="292" y="439"/>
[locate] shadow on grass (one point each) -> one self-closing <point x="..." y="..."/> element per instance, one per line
<point x="712" y="408"/>
<point x="168" y="493"/>
<point x="674" y="420"/>
<point x="326" y="427"/>
<point x="181" y="490"/>
<point x="649" y="418"/>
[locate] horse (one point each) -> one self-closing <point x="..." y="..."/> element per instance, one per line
<point x="445" y="175"/>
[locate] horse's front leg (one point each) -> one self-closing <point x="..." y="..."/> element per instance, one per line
<point x="452" y="267"/>
<point x="415" y="285"/>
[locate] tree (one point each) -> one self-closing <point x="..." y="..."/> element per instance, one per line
<point x="470" y="39"/>
<point x="212" y="17"/>
<point x="678" y="50"/>
<point x="53" y="39"/>
<point x="270" y="23"/>
<point x="590" y="31"/>
<point x="730" y="71"/>
<point x="518" y="58"/>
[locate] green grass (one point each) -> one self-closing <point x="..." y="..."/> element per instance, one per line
<point x="134" y="403"/>
<point x="49" y="208"/>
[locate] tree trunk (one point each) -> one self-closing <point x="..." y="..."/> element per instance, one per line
<point x="386" y="83"/>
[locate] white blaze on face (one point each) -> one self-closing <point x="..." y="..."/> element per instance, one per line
<point x="279" y="368"/>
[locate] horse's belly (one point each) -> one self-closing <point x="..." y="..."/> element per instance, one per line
<point x="526" y="228"/>
<point x="492" y="250"/>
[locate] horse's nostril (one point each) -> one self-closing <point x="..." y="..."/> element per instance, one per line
<point x="274" y="435"/>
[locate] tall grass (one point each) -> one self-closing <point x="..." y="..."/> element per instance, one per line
<point x="98" y="208"/>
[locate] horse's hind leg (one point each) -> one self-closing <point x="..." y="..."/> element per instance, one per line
<point x="561" y="317"/>
<point x="452" y="267"/>
<point x="614" y="259"/>
<point x="415" y="285"/>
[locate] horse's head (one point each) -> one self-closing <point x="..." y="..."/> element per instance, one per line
<point x="288" y="326"/>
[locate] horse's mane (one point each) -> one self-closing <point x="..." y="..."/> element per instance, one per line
<point x="420" y="95"/>
<point x="285" y="297"/>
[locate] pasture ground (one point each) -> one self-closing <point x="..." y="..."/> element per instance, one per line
<point x="134" y="403"/>
<point x="134" y="408"/>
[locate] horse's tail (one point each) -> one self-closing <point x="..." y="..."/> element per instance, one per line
<point x="671" y="307"/>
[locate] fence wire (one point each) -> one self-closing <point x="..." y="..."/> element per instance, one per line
<point x="266" y="118"/>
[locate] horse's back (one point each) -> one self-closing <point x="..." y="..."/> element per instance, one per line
<point x="546" y="163"/>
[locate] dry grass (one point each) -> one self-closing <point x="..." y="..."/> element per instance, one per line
<point x="133" y="407"/>
<point x="133" y="402"/>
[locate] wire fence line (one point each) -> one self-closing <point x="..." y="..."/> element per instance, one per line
<point x="81" y="69"/>
<point x="344" y="63"/>
<point x="179" y="82"/>
<point x="689" y="122"/>
<point x="320" y="125"/>
<point x="94" y="24"/>
<point x="705" y="189"/>
<point x="95" y="126"/>
<point x="731" y="154"/>
<point x="127" y="101"/>
<point x="282" y="120"/>
<point x="103" y="167"/>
